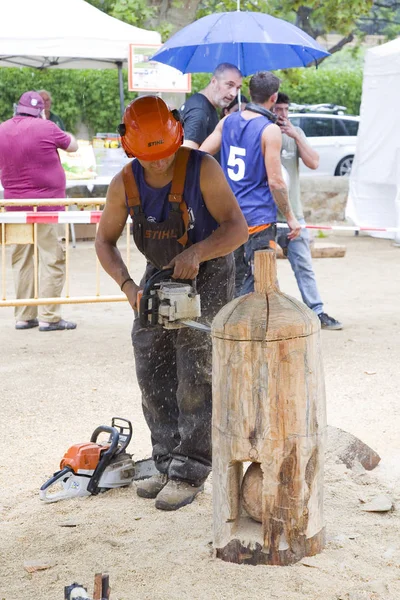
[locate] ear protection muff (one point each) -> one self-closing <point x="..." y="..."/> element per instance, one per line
<point x="121" y="129"/>
<point x="176" y="114"/>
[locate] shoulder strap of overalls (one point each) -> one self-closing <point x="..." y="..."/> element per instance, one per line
<point x="131" y="189"/>
<point x="178" y="183"/>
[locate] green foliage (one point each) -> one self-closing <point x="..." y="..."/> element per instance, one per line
<point x="315" y="86"/>
<point x="104" y="5"/>
<point x="313" y="16"/>
<point x="90" y="97"/>
<point x="351" y="57"/>
<point x="341" y="86"/>
<point x="134" y="12"/>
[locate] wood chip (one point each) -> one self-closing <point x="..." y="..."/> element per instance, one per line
<point x="68" y="524"/>
<point x="380" y="503"/>
<point x="38" y="565"/>
<point x="350" y="450"/>
<point x="309" y="565"/>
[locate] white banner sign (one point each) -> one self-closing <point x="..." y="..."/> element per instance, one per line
<point x="147" y="75"/>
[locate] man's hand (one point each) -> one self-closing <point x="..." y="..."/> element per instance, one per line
<point x="287" y="127"/>
<point x="131" y="292"/>
<point x="186" y="264"/>
<point x="295" y="228"/>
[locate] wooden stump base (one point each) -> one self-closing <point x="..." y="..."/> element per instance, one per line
<point x="253" y="554"/>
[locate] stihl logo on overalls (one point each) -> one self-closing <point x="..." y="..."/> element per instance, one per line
<point x="160" y="235"/>
<point x="155" y="143"/>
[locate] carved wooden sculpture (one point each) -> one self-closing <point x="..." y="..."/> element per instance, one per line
<point x="269" y="410"/>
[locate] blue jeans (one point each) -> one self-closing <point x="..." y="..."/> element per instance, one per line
<point x="299" y="256"/>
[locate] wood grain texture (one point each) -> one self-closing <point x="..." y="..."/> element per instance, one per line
<point x="17" y="233"/>
<point x="268" y="409"/>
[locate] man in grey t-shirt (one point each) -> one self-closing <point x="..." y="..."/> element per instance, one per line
<point x="295" y="147"/>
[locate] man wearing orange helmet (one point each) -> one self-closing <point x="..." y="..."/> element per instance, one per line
<point x="184" y="217"/>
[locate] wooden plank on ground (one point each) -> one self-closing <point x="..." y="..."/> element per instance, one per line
<point x="321" y="250"/>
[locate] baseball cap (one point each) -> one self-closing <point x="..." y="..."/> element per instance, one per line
<point x="30" y="103"/>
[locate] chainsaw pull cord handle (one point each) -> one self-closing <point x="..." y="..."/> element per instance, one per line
<point x="105" y="457"/>
<point x="144" y="310"/>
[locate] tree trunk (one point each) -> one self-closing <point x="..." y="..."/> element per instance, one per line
<point x="177" y="14"/>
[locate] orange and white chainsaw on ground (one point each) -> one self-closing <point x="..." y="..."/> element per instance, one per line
<point x="93" y="467"/>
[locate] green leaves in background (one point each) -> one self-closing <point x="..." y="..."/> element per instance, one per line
<point x="88" y="97"/>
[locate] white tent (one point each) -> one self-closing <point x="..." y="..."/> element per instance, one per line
<point x="374" y="192"/>
<point x="65" y="34"/>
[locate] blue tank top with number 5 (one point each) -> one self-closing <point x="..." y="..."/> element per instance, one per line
<point x="243" y="164"/>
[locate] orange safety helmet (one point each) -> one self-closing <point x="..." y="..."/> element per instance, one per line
<point x="150" y="131"/>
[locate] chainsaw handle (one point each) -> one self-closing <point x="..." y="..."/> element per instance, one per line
<point x="114" y="436"/>
<point x="58" y="475"/>
<point x="105" y="458"/>
<point x="62" y="475"/>
<point x="157" y="277"/>
<point x="116" y="423"/>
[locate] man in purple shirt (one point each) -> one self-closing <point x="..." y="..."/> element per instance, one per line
<point x="30" y="167"/>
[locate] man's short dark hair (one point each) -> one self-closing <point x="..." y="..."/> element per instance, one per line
<point x="235" y="101"/>
<point x="263" y="85"/>
<point x="283" y="98"/>
<point x="220" y="70"/>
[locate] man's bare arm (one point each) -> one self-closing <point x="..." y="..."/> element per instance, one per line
<point x="222" y="205"/>
<point x="111" y="225"/>
<point x="308" y="155"/>
<point x="190" y="144"/>
<point x="271" y="146"/>
<point x="212" y="144"/>
<point x="73" y="144"/>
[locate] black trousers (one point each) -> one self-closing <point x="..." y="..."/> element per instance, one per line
<point x="173" y="369"/>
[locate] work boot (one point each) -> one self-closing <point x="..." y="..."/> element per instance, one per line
<point x="149" y="488"/>
<point x="328" y="322"/>
<point x="177" y="494"/>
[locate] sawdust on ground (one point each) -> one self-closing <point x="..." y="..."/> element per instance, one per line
<point x="57" y="387"/>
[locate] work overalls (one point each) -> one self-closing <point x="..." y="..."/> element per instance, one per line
<point x="173" y="367"/>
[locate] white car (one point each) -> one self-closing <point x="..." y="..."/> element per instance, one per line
<point x="333" y="137"/>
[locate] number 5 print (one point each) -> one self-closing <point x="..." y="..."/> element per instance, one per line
<point x="235" y="161"/>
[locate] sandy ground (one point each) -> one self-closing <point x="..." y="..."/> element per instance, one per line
<point x="57" y="387"/>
